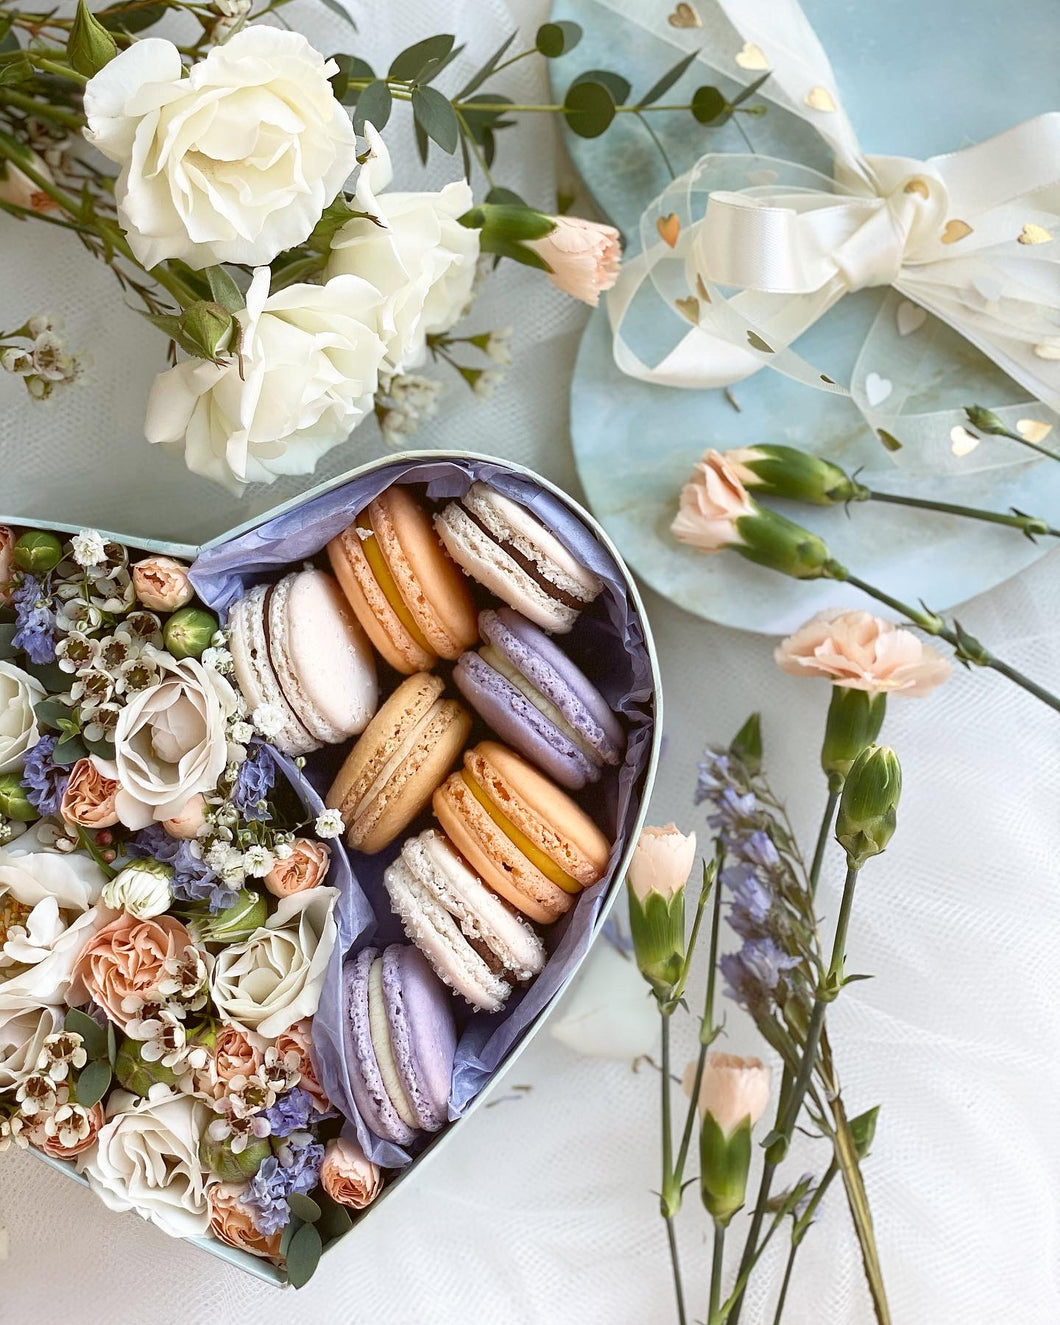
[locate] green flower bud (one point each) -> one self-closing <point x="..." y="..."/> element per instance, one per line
<point x="219" y="1158"/>
<point x="854" y="721"/>
<point x="869" y="803"/>
<point x="733" y="1095"/>
<point x="723" y="1166"/>
<point x="37" y="552"/>
<point x="14" y="803"/>
<point x="135" y="1073"/>
<point x="508" y="229"/>
<point x="783" y="471"/>
<point x="206" y="329"/>
<point x="747" y="743"/>
<point x="90" y="46"/>
<point x="658" y="873"/>
<point x="986" y="420"/>
<point x="236" y="922"/>
<point x="188" y="633"/>
<point x="769" y="539"/>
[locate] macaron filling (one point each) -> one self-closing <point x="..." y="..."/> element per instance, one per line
<point x="387" y="583"/>
<point x="489" y="654"/>
<point x="526" y="564"/>
<point x="538" y="858"/>
<point x="383" y="1048"/>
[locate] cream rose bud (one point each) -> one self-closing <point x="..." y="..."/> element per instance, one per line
<point x="162" y="584"/>
<point x="147" y="1159"/>
<point x="170" y="741"/>
<point x="233" y="162"/>
<point x="305" y="377"/>
<point x="7" y="563"/>
<point x="413" y="249"/>
<point x="274" y="977"/>
<point x="733" y="1090"/>
<point x="348" y="1175"/>
<point x="662" y="861"/>
<point x="19" y="692"/>
<point x="860" y="651"/>
<point x="582" y="256"/>
<point x="142" y="889"/>
<point x="187" y="823"/>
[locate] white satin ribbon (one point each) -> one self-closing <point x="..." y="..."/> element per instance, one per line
<point x="752" y="250"/>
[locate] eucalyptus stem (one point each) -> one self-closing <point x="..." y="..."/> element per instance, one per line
<point x="717" y="1268"/>
<point x="823" y="834"/>
<point x="666" y="1204"/>
<point x="1031" y="525"/>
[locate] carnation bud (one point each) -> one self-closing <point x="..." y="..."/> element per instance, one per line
<point x="733" y="1095"/>
<point x="135" y="1073"/>
<point x="236" y="922"/>
<point x="505" y="228"/>
<point x="772" y="540"/>
<point x="869" y="803"/>
<point x="187" y="633"/>
<point x="37" y="552"/>
<point x="142" y="889"/>
<point x="206" y="329"/>
<point x="784" y="471"/>
<point x="14" y="803"/>
<point x="656" y="882"/>
<point x="986" y="420"/>
<point x="90" y="46"/>
<point x="219" y="1158"/>
<point x="854" y="721"/>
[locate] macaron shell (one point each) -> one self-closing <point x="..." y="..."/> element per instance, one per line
<point x="259" y="684"/>
<point x="429" y="582"/>
<point x="366" y="1082"/>
<point x="371" y="607"/>
<point x="495" y="857"/>
<point x="422" y="1032"/>
<point x="321" y="656"/>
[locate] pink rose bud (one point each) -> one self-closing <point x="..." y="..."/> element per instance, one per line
<point x="582" y="257"/>
<point x="304" y="868"/>
<point x="89" y="797"/>
<point x="7" y="563"/>
<point x="349" y="1176"/>
<point x="188" y="822"/>
<point x="662" y="861"/>
<point x="162" y="584"/>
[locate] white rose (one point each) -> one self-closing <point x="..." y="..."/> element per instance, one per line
<point x="170" y="742"/>
<point x="306" y="376"/>
<point x="274" y="979"/>
<point x="48" y="913"/>
<point x="233" y="163"/>
<point x="421" y="258"/>
<point x="147" y="1159"/>
<point x="142" y="889"/>
<point x="18" y="724"/>
<point x="23" y="1031"/>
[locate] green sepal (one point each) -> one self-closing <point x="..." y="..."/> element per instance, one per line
<point x="14" y="801"/>
<point x="723" y="1166"/>
<point x="658" y="928"/>
<point x="785" y="471"/>
<point x="37" y="552"/>
<point x="868" y="806"/>
<point x="772" y="540"/>
<point x="90" y="46"/>
<point x="854" y="721"/>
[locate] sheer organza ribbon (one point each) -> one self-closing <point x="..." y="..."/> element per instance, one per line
<point x="751" y="250"/>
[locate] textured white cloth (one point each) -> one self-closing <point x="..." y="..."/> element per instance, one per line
<point x="540" y="1209"/>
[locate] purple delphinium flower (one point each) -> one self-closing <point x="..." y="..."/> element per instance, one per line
<point x="714" y="773"/>
<point x="759" y="849"/>
<point x="291" y="1112"/>
<point x="766" y="960"/>
<point x="295" y="1169"/>
<point x="734" y="812"/>
<point x="34" y="622"/>
<point x="254" y="781"/>
<point x="45" y="781"/>
<point x="193" y="880"/>
<point x="752" y="901"/>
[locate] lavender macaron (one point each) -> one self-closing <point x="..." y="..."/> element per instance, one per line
<point x="400" y="1042"/>
<point x="538" y="701"/>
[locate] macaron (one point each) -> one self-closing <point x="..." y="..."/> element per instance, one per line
<point x="538" y="701"/>
<point x="526" y="838"/>
<point x="406" y="750"/>
<point x="400" y="1042"/>
<point x="402" y="585"/>
<point x="503" y="546"/>
<point x="476" y="943"/>
<point x="297" y="649"/>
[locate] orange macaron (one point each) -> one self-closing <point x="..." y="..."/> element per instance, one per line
<point x="527" y="839"/>
<point x="410" y="597"/>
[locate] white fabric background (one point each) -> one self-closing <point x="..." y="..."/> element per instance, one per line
<point x="540" y="1209"/>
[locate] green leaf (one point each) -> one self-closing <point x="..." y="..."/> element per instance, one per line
<point x="50" y="675"/>
<point x="435" y="67"/>
<point x="8" y="35"/>
<point x="125" y="18"/>
<point x="350" y="67"/>
<point x="555" y="39"/>
<point x="304" y="1207"/>
<point x="708" y="105"/>
<point x="14" y="68"/>
<point x="504" y="197"/>
<point x="373" y="106"/>
<point x="334" y="1219"/>
<point x="51" y="712"/>
<point x="102" y="749"/>
<point x="8" y="630"/>
<point x="479" y="121"/>
<point x="224" y="289"/>
<point x="303" y="1256"/>
<point x="435" y="114"/>
<point x="93" y="1083"/>
<point x="90" y="46"/>
<point x="423" y="146"/>
<point x="618" y="86"/>
<point x="668" y="80"/>
<point x="93" y="1034"/>
<point x="341" y="10"/>
<point x="590" y="108"/>
<point x="750" y="89"/>
<point x="333" y="218"/>
<point x="475" y="82"/>
<point x="289" y="1230"/>
<point x="69" y="750"/>
<point x="112" y="1044"/>
<point x="411" y="63"/>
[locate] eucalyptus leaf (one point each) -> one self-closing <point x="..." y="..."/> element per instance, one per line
<point x="409" y="64"/>
<point x="90" y="1031"/>
<point x="709" y="105"/>
<point x="504" y="197"/>
<point x="341" y="11"/>
<point x="435" y="114"/>
<point x="224" y="290"/>
<point x="475" y="82"/>
<point x="112" y="1044"/>
<point x="349" y="67"/>
<point x="433" y="68"/>
<point x="93" y="1083"/>
<point x="303" y="1255"/>
<point x="373" y="106"/>
<point x="304" y="1207"/>
<point x="423" y="146"/>
<point x="618" y="86"/>
<point x="131" y="18"/>
<point x="289" y="1230"/>
<point x="50" y="675"/>
<point x="102" y="749"/>
<point x="668" y="80"/>
<point x="334" y="1219"/>
<point x="750" y="89"/>
<point x="590" y="108"/>
<point x="69" y="750"/>
<point x="556" y="39"/>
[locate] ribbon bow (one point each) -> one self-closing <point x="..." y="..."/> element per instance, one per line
<point x="752" y="250"/>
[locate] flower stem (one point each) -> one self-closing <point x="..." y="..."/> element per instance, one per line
<point x="785" y="1282"/>
<point x="668" y="1203"/>
<point x="968" y="649"/>
<point x="717" y="1267"/>
<point x="1031" y="525"/>
<point x="823" y="834"/>
<point x="800" y="1227"/>
<point x="35" y="106"/>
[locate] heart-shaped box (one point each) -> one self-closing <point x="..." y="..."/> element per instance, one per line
<point x="619" y="640"/>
